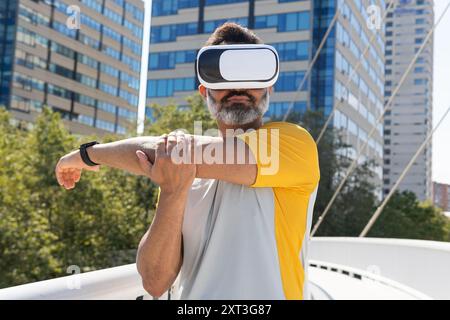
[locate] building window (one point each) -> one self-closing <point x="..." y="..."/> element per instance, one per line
<point x="170" y="32"/>
<point x="169" y="7"/>
<point x="290" y="81"/>
<point x="284" y="22"/>
<point x="168" y="60"/>
<point x="167" y="87"/>
<point x="291" y="51"/>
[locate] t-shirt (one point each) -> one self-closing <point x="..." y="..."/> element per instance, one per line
<point x="243" y="242"/>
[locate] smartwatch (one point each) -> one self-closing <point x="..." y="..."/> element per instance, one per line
<point x="84" y="154"/>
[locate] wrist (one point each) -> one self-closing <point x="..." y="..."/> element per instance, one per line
<point x="85" y="154"/>
<point x="92" y="152"/>
<point x="174" y="193"/>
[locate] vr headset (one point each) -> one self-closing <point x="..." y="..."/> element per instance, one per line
<point x="237" y="66"/>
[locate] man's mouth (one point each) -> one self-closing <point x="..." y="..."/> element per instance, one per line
<point x="238" y="99"/>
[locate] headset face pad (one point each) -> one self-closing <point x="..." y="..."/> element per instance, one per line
<point x="237" y="66"/>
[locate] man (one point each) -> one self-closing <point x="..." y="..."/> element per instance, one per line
<point x="226" y="229"/>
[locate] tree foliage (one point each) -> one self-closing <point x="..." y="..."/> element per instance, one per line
<point x="44" y="229"/>
<point x="172" y="117"/>
<point x="405" y="217"/>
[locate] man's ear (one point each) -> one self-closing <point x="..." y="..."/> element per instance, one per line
<point x="270" y="90"/>
<point x="202" y="90"/>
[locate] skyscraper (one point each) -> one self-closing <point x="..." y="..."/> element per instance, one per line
<point x="409" y="121"/>
<point x="295" y="28"/>
<point x="79" y="57"/>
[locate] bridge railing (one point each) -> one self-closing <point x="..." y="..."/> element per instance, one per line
<point x="119" y="283"/>
<point x="405" y="264"/>
<point x="421" y="265"/>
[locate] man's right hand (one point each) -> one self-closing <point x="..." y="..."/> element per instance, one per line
<point x="69" y="167"/>
<point x="172" y="177"/>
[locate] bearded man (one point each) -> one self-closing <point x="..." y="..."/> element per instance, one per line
<point x="236" y="227"/>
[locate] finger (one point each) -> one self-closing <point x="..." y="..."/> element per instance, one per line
<point x="171" y="143"/>
<point x="161" y="147"/>
<point x="180" y="143"/>
<point x="66" y="180"/>
<point x="182" y="147"/>
<point x="77" y="175"/>
<point x="144" y="163"/>
<point x="187" y="142"/>
<point x="68" y="183"/>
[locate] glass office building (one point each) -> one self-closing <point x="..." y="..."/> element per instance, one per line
<point x="79" y="57"/>
<point x="180" y="27"/>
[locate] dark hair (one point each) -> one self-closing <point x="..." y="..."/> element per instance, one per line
<point x="232" y="33"/>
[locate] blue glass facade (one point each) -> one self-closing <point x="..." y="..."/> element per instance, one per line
<point x="8" y="10"/>
<point x="284" y="22"/>
<point x="292" y="51"/>
<point x="23" y="26"/>
<point x="168" y="60"/>
<point x="322" y="76"/>
<point x="167" y="87"/>
<point x="277" y="110"/>
<point x="170" y="7"/>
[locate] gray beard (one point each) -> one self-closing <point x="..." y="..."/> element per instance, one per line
<point x="238" y="113"/>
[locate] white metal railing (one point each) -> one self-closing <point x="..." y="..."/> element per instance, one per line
<point x="421" y="265"/>
<point x="418" y="268"/>
<point x="368" y="278"/>
<point x="121" y="283"/>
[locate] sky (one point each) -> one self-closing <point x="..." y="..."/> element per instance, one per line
<point x="144" y="68"/>
<point x="441" y="89"/>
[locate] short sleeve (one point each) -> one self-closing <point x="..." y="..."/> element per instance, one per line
<point x="286" y="156"/>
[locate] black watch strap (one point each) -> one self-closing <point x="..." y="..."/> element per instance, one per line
<point x="84" y="154"/>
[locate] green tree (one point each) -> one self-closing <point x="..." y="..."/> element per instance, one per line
<point x="405" y="217"/>
<point x="44" y="228"/>
<point x="171" y="117"/>
<point x="26" y="245"/>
